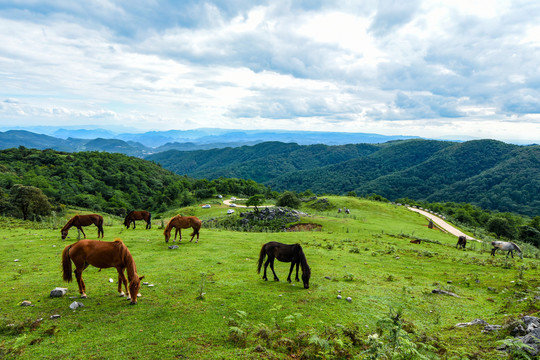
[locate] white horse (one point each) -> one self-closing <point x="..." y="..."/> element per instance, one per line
<point x="506" y="246"/>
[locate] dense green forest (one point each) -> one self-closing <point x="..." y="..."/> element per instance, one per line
<point x="487" y="173"/>
<point x="35" y="182"/>
<point x="100" y="181"/>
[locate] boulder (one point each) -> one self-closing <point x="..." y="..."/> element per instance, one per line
<point x="58" y="292"/>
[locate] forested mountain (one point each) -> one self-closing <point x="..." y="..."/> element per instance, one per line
<point x="107" y="182"/>
<point x="487" y="173"/>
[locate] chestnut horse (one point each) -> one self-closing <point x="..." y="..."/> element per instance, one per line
<point x="83" y="220"/>
<point x="138" y="215"/>
<point x="285" y="253"/>
<point x="102" y="255"/>
<point x="180" y="222"/>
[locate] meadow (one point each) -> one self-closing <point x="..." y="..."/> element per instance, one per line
<point x="205" y="300"/>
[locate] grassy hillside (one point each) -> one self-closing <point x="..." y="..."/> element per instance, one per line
<point x="366" y="255"/>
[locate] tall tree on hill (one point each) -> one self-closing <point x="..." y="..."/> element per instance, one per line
<point x="255" y="200"/>
<point x="29" y="200"/>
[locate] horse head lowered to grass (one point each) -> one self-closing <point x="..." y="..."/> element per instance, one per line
<point x="102" y="255"/>
<point x="285" y="253"/>
<point x="180" y="222"/>
<point x="83" y="220"/>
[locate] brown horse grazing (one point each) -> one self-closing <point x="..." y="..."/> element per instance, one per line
<point x="462" y="242"/>
<point x="138" y="215"/>
<point x="83" y="220"/>
<point x="180" y="222"/>
<point x="102" y="255"/>
<point x="285" y="253"/>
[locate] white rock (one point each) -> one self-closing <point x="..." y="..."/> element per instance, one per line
<point x="339" y="297"/>
<point x="349" y="299"/>
<point x="58" y="292"/>
<point x="74" y="305"/>
<point x="111" y="280"/>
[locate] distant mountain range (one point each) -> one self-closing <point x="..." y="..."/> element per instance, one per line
<point x="488" y="173"/>
<point x="143" y="144"/>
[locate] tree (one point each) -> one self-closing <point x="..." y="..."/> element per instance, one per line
<point x="255" y="200"/>
<point x="288" y="199"/>
<point x="530" y="235"/>
<point x="500" y="226"/>
<point x="29" y="200"/>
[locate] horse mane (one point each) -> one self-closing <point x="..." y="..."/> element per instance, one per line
<point x="68" y="224"/>
<point x="517" y="247"/>
<point x="303" y="261"/>
<point x="168" y="226"/>
<point x="127" y="259"/>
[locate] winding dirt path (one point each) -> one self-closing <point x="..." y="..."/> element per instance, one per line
<point x="442" y="224"/>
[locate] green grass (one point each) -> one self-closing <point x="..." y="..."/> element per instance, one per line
<point x="366" y="255"/>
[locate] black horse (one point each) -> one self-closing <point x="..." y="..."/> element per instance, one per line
<point x="285" y="253"/>
<point x="462" y="242"/>
<point x="138" y="215"/>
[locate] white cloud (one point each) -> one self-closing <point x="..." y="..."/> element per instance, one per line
<point x="387" y="66"/>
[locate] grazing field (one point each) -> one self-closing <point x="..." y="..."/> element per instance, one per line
<point x="205" y="300"/>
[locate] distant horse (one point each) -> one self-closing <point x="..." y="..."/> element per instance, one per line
<point x="285" y="253"/>
<point x="347" y="211"/>
<point x="462" y="242"/>
<point x="180" y="222"/>
<point x="138" y="215"/>
<point x="416" y="241"/>
<point x="506" y="246"/>
<point x="83" y="220"/>
<point x="102" y="255"/>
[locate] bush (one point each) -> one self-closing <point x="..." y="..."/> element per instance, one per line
<point x="288" y="199"/>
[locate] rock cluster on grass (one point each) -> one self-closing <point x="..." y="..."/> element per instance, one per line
<point x="526" y="330"/>
<point x="268" y="214"/>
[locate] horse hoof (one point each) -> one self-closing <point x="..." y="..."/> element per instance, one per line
<point x="121" y="294"/>
<point x="83" y="296"/>
<point x="133" y="303"/>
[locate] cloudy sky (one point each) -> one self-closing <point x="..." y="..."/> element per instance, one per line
<point x="440" y="69"/>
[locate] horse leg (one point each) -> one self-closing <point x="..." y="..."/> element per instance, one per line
<point x="80" y="228"/>
<point x="297" y="265"/>
<point x="122" y="280"/>
<point x="493" y="251"/>
<point x="290" y="272"/>
<point x="265" y="266"/>
<point x="272" y="267"/>
<point x="80" y="282"/>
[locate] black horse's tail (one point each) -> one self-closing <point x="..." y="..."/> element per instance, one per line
<point x="262" y="255"/>
<point x="149" y="220"/>
<point x="66" y="264"/>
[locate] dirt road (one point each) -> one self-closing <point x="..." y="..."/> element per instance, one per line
<point x="442" y="224"/>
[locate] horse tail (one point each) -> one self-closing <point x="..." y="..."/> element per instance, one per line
<point x="262" y="255"/>
<point x="66" y="264"/>
<point x="150" y="219"/>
